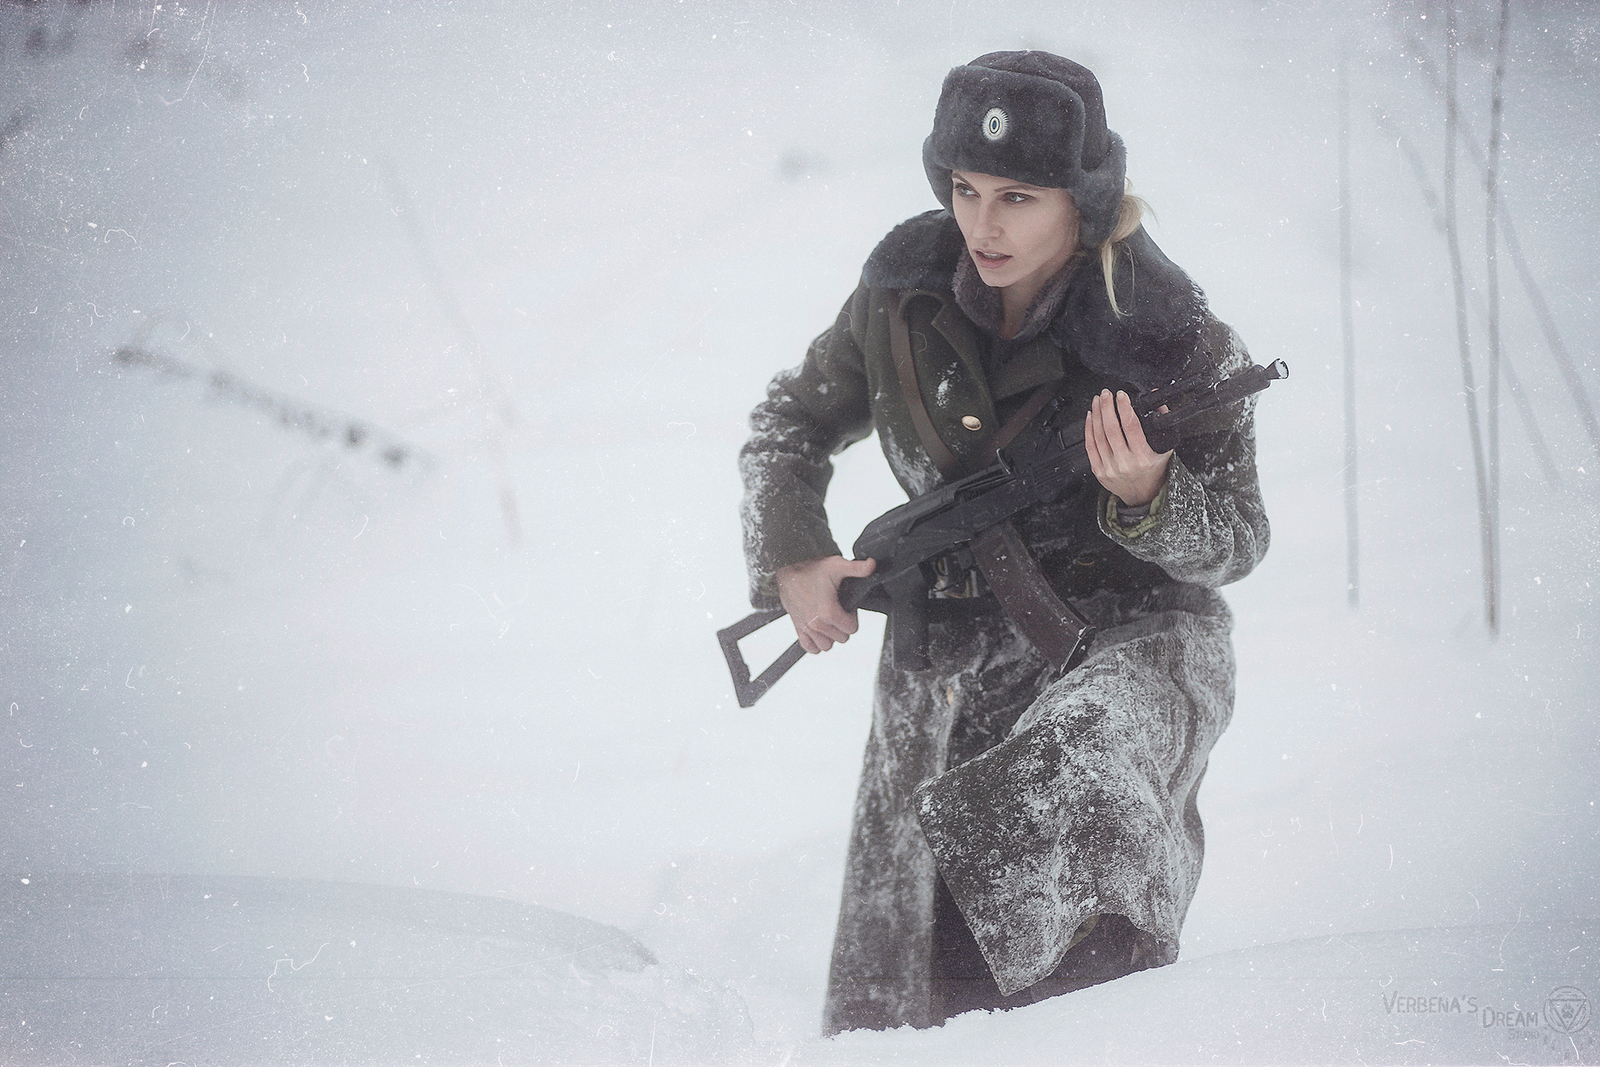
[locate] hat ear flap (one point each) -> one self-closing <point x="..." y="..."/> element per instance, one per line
<point x="1098" y="194"/>
<point x="1072" y="136"/>
<point x="938" y="173"/>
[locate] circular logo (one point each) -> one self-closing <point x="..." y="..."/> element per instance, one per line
<point x="995" y="124"/>
<point x="1567" y="1009"/>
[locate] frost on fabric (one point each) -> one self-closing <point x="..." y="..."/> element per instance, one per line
<point x="881" y="966"/>
<point x="912" y="469"/>
<point x="1043" y="803"/>
<point x="1089" y="806"/>
<point x="1039" y="813"/>
<point x="1212" y="528"/>
<point x="786" y="465"/>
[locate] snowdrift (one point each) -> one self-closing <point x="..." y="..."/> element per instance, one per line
<point x="163" y="969"/>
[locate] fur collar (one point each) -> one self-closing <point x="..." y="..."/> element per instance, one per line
<point x="981" y="301"/>
<point x="1149" y="346"/>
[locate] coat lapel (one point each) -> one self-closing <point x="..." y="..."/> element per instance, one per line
<point x="960" y="398"/>
<point x="947" y="352"/>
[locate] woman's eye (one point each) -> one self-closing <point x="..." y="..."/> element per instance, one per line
<point x="965" y="190"/>
<point x="1017" y="198"/>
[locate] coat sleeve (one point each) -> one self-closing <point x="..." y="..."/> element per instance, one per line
<point x="1207" y="525"/>
<point x="811" y="412"/>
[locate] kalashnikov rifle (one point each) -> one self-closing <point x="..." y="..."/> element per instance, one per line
<point x="1045" y="460"/>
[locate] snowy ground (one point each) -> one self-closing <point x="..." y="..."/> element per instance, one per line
<point x="551" y="254"/>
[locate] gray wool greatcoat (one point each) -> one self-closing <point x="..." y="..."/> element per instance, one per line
<point x="1042" y="801"/>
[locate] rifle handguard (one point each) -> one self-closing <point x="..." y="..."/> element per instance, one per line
<point x="1164" y="429"/>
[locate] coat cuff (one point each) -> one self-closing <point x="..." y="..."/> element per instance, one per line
<point x="1130" y="524"/>
<point x="772" y="558"/>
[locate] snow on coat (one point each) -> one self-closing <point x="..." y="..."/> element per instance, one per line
<point x="1042" y="801"/>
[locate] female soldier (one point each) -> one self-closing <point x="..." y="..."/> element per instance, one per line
<point x="1019" y="831"/>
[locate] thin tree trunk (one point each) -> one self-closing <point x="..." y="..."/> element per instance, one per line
<point x="1346" y="300"/>
<point x="1492" y="194"/>
<point x="1485" y="523"/>
<point x="1552" y="335"/>
<point x="1547" y="321"/>
<point x="1430" y="196"/>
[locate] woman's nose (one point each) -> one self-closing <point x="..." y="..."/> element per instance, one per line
<point x="988" y="225"/>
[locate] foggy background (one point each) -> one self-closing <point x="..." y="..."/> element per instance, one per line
<point x="372" y="382"/>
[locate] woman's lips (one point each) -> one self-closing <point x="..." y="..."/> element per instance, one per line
<point x="989" y="260"/>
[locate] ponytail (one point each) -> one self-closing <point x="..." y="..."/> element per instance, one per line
<point x="1129" y="218"/>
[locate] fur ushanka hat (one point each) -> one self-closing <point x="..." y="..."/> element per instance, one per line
<point x="1032" y="117"/>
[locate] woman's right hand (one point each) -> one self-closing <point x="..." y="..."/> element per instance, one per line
<point x="810" y="594"/>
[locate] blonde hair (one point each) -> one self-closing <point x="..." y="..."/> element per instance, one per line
<point x="1130" y="216"/>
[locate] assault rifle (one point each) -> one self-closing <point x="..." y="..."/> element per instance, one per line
<point x="1042" y="463"/>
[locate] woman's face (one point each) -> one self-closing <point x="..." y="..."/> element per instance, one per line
<point x="1017" y="234"/>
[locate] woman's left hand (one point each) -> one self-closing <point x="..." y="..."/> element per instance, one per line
<point x="1119" y="455"/>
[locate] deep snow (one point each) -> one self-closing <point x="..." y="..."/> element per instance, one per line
<point x="555" y="252"/>
<point x="126" y="968"/>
